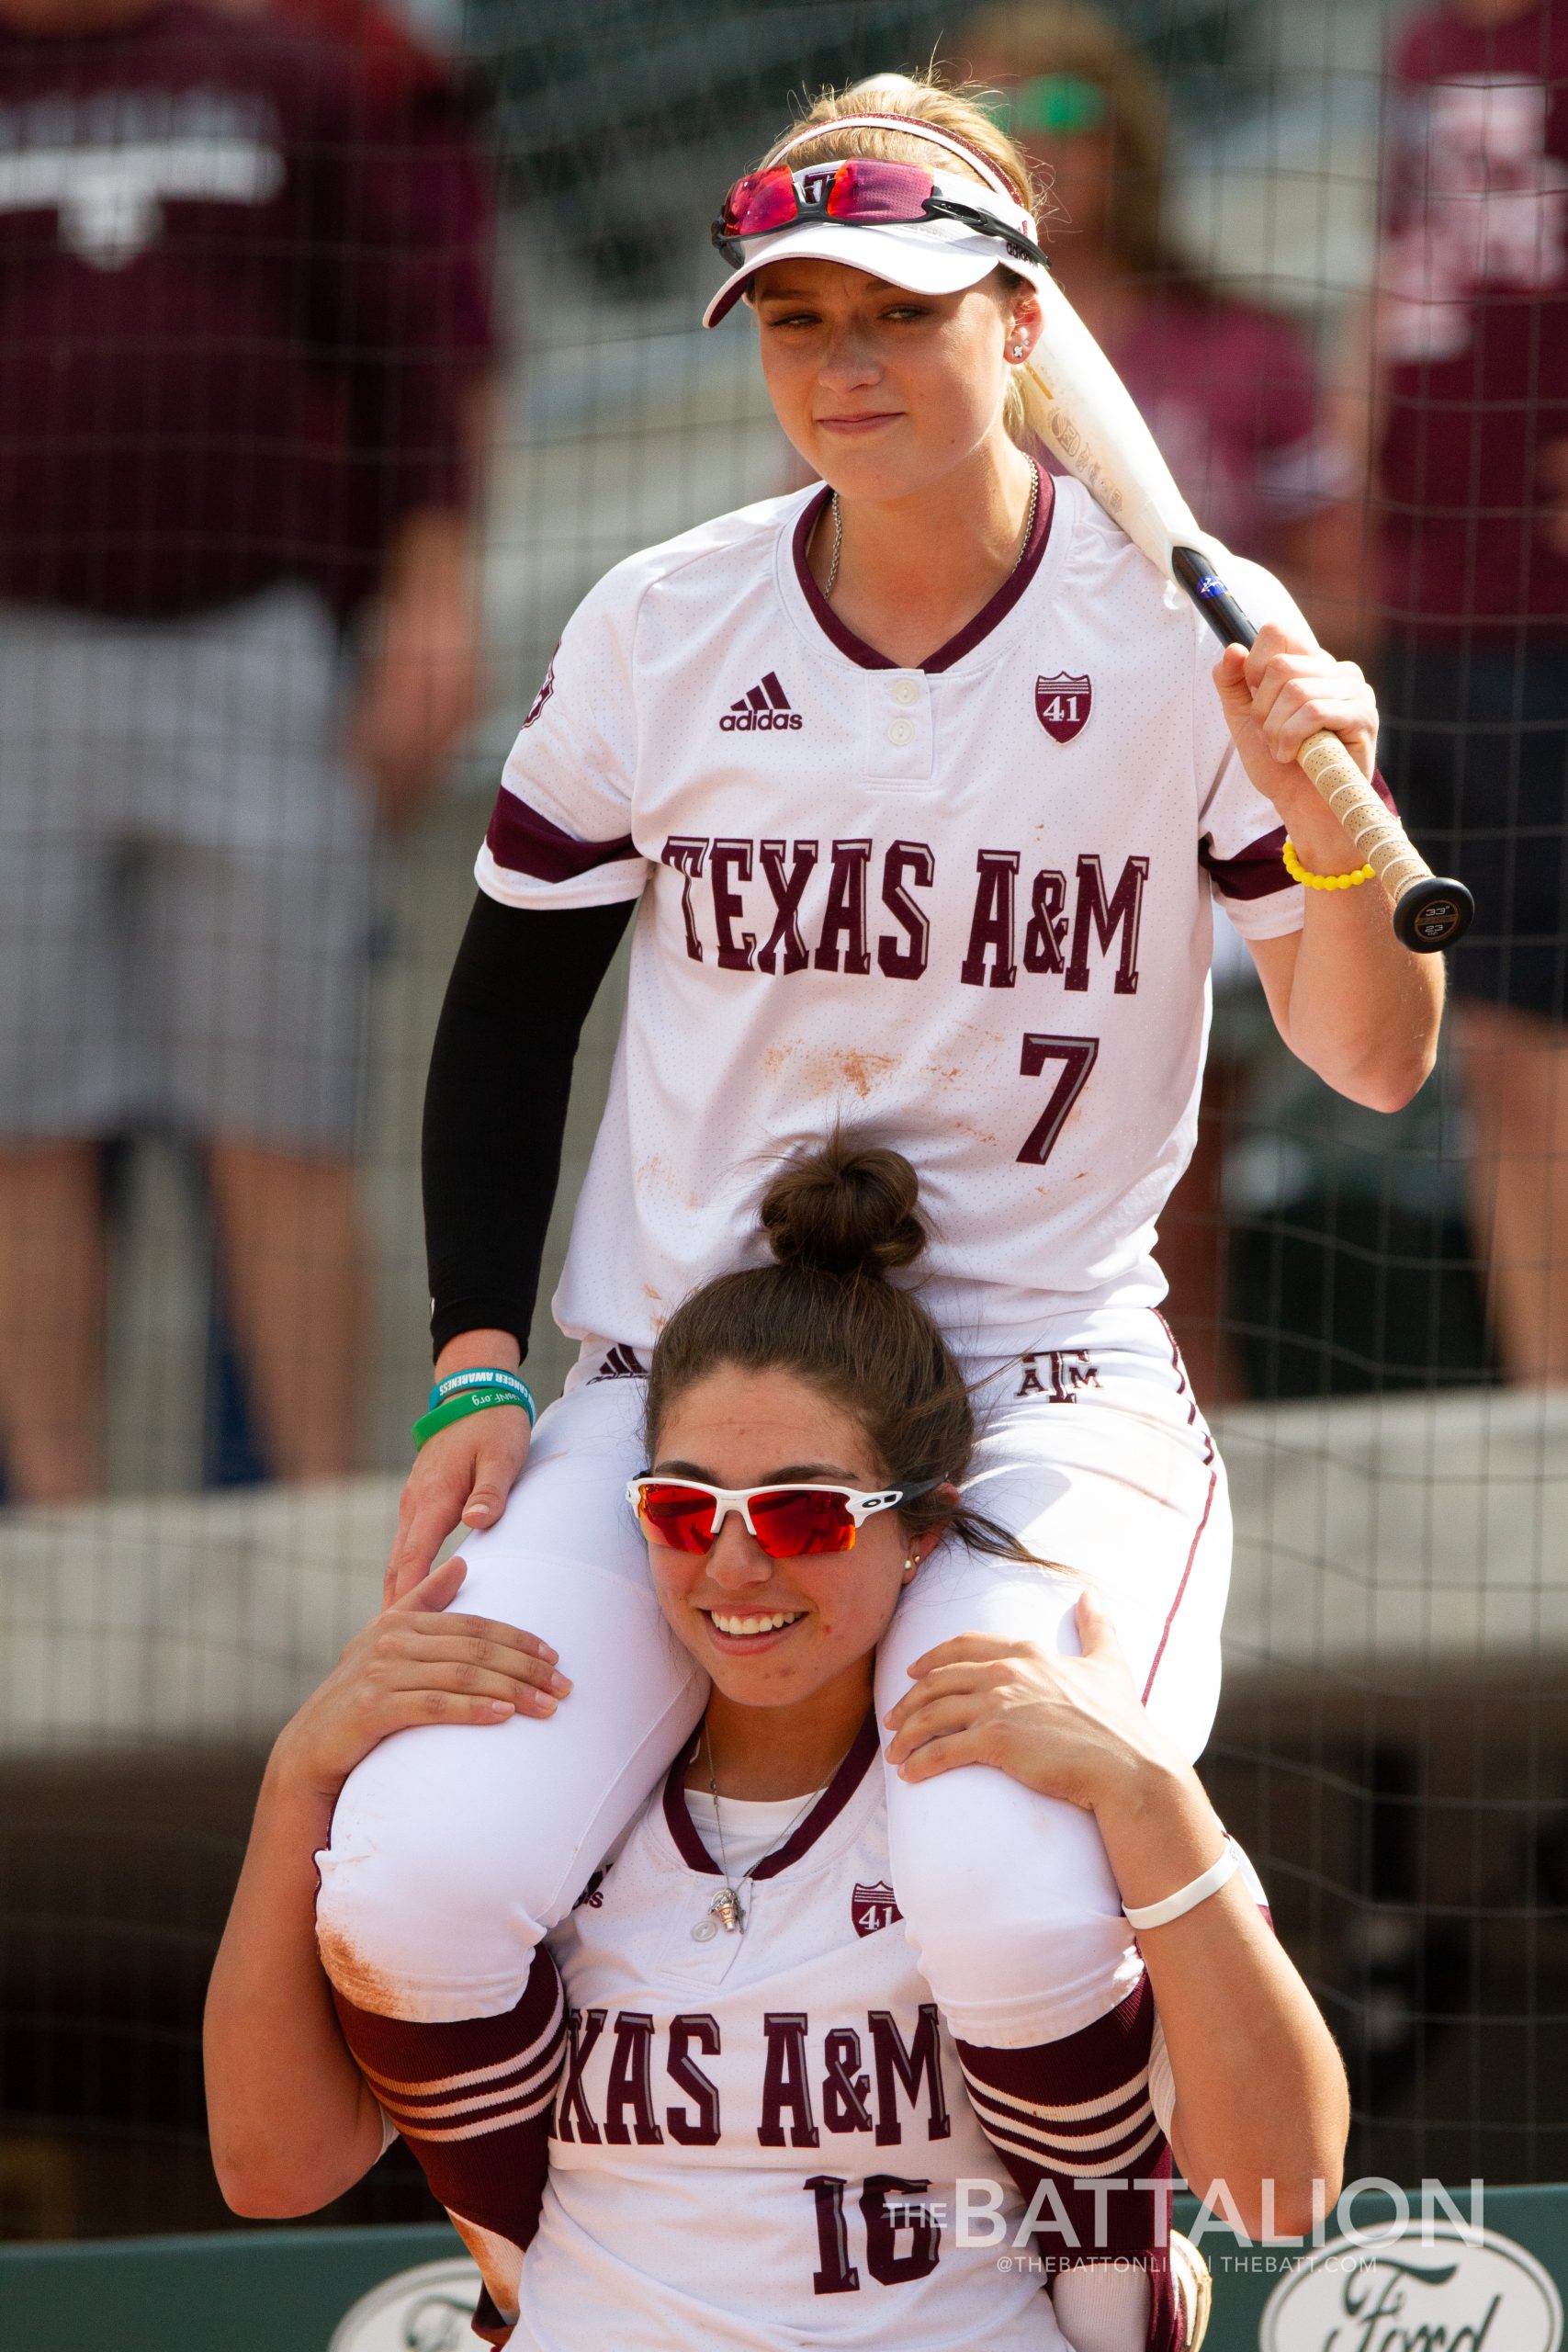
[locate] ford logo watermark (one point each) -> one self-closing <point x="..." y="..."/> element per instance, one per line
<point x="1420" y="2289"/>
<point x="427" y="2310"/>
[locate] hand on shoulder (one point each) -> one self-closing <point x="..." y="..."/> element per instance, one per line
<point x="1068" y="1727"/>
<point x="461" y="1476"/>
<point x="415" y="1664"/>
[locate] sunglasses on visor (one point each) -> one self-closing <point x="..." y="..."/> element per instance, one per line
<point x="861" y="193"/>
<point x="686" y="1514"/>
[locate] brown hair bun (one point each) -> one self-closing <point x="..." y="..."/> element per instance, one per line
<point x="845" y="1208"/>
<point x="837" y="1211"/>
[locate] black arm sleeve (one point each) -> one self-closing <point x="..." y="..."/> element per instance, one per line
<point x="495" y="1105"/>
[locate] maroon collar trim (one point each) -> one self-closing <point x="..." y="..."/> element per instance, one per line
<point x="678" y="1820"/>
<point x="802" y="1837"/>
<point x="970" y="636"/>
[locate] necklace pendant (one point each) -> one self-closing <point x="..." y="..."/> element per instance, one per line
<point x="725" y="1909"/>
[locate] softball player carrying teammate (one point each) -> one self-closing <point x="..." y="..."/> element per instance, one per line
<point x="961" y="895"/>
<point x="762" y="2137"/>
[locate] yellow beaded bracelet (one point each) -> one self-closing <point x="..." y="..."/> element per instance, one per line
<point x="1298" y="873"/>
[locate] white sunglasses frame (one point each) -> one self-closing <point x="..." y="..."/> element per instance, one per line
<point x="860" y="1503"/>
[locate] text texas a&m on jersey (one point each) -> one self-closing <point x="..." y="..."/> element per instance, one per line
<point x="1063" y="922"/>
<point x="815" y="2078"/>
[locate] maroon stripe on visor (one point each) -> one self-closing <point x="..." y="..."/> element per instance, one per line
<point x="525" y="842"/>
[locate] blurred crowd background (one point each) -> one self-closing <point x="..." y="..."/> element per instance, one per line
<point x="342" y="348"/>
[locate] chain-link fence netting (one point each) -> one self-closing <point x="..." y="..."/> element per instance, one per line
<point x="341" y="352"/>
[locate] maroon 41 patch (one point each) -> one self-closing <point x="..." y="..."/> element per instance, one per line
<point x="872" y="1907"/>
<point x="1062" y="705"/>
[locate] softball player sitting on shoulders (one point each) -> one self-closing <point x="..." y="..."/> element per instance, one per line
<point x="922" y="790"/>
<point x="743" y="2121"/>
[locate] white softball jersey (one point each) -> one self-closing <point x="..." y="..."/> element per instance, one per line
<point x="966" y="907"/>
<point x="760" y="2136"/>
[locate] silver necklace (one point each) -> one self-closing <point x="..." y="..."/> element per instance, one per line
<point x="832" y="579"/>
<point x="725" y="1910"/>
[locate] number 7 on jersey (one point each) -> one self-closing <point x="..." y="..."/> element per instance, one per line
<point x="1077" y="1057"/>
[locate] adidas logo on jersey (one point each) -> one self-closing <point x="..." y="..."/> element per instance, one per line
<point x="761" y="708"/>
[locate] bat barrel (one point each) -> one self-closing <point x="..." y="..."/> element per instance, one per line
<point x="1429" y="913"/>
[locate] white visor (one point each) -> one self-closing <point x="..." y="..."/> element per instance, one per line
<point x="926" y="256"/>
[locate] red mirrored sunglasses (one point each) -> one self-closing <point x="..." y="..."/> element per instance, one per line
<point x="862" y="192"/>
<point x="686" y="1514"/>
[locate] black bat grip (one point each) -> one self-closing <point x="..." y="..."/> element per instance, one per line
<point x="1213" y="598"/>
<point x="1429" y="914"/>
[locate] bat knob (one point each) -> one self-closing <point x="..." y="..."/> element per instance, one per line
<point x="1432" y="915"/>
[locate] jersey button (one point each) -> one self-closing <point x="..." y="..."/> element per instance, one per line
<point x="906" y="689"/>
<point x="902" y="731"/>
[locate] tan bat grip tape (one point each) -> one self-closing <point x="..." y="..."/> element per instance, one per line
<point x="1377" y="832"/>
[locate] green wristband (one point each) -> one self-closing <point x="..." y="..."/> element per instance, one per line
<point x="485" y="1376"/>
<point x="457" y="1409"/>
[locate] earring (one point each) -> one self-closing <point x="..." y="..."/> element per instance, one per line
<point x="1018" y="351"/>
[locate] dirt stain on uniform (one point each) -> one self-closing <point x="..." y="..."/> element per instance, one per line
<point x="353" y="1975"/>
<point x="830" y="1073"/>
<point x="500" y="2265"/>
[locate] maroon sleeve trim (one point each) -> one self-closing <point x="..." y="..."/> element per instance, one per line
<point x="1258" y="871"/>
<point x="525" y="842"/>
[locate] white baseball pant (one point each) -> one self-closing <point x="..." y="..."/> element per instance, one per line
<point x="455" y="1848"/>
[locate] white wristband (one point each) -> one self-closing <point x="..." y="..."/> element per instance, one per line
<point x="1186" y="1898"/>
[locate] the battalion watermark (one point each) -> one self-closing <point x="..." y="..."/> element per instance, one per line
<point x="1369" y="2211"/>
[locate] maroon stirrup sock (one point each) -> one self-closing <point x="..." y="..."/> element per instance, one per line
<point x="1072" y="2122"/>
<point x="473" y="2100"/>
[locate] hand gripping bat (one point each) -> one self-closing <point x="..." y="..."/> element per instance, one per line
<point x="1094" y="428"/>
